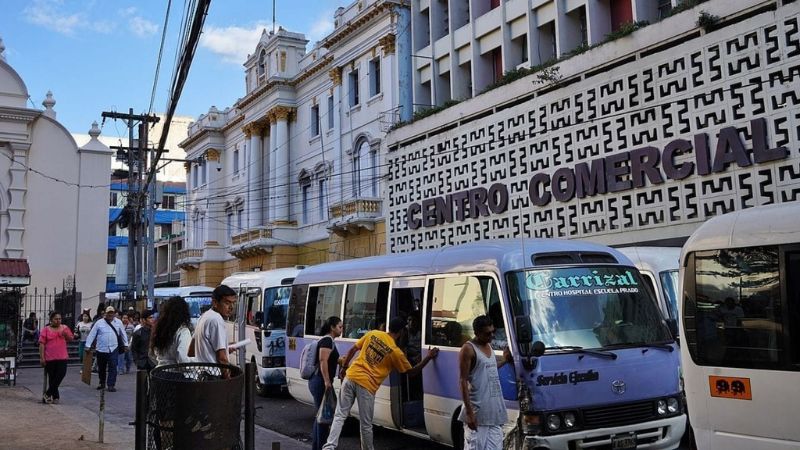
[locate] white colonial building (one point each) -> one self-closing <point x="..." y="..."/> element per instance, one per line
<point x="293" y="172"/>
<point x="53" y="193"/>
<point x="637" y="140"/>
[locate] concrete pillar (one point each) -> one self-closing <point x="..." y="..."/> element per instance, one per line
<point x="271" y="175"/>
<point x="253" y="134"/>
<point x="281" y="194"/>
<point x="334" y="195"/>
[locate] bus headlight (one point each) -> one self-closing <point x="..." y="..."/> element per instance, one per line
<point x="553" y="422"/>
<point x="672" y="405"/>
<point x="661" y="407"/>
<point x="569" y="420"/>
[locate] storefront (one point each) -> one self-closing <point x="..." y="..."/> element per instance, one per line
<point x="14" y="274"/>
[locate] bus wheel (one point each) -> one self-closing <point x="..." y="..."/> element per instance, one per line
<point x="261" y="389"/>
<point x="457" y="431"/>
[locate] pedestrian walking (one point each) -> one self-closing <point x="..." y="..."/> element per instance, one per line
<point x="210" y="341"/>
<point x="322" y="380"/>
<point x="140" y="343"/>
<point x="53" y="355"/>
<point x="171" y="336"/>
<point x="83" y="328"/>
<point x="107" y="338"/>
<point x="483" y="411"/>
<point x="378" y="357"/>
<point x="125" y="360"/>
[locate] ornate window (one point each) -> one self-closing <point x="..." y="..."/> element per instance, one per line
<point x="365" y="168"/>
<point x="262" y="63"/>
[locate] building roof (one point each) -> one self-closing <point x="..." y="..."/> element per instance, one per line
<point x="13" y="267"/>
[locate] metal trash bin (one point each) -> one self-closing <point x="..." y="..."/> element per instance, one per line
<point x="191" y="406"/>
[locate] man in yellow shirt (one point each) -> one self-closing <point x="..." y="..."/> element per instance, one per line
<point x="378" y="357"/>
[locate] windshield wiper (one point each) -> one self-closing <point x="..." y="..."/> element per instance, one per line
<point x="579" y="349"/>
<point x="658" y="345"/>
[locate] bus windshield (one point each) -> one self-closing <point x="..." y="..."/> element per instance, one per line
<point x="196" y="305"/>
<point x="276" y="304"/>
<point x="669" y="286"/>
<point x="587" y="307"/>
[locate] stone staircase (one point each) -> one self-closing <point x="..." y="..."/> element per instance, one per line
<point x="29" y="356"/>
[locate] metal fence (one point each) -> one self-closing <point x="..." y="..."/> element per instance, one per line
<point x="66" y="301"/>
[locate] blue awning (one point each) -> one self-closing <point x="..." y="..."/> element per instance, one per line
<point x="162" y="216"/>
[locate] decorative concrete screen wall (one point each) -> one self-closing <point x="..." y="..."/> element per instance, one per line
<point x="645" y="151"/>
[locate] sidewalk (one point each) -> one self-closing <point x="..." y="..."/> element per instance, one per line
<point x="27" y="423"/>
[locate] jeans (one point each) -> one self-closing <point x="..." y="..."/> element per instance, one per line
<point x="319" y="432"/>
<point x="107" y="363"/>
<point x="56" y="370"/>
<point x="124" y="362"/>
<point x="366" y="409"/>
<point x="81" y="348"/>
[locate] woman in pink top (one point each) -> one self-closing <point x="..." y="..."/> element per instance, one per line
<point x="53" y="354"/>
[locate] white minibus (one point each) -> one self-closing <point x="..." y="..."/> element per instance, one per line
<point x="595" y="363"/>
<point x="197" y="297"/>
<point x="740" y="326"/>
<point x="263" y="301"/>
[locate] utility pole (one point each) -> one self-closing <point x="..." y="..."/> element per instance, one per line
<point x="136" y="198"/>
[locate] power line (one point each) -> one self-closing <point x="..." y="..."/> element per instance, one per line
<point x="160" y="53"/>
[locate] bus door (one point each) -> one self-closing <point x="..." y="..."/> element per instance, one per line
<point x="407" y="392"/>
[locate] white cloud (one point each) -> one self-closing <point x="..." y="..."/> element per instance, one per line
<point x="233" y="43"/>
<point x="49" y="14"/>
<point x="127" y="12"/>
<point x="322" y="27"/>
<point x="142" y="27"/>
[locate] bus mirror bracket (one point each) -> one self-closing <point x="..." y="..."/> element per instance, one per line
<point x="523" y="326"/>
<point x="672" y="324"/>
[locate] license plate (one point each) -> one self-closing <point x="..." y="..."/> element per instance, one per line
<point x="623" y="442"/>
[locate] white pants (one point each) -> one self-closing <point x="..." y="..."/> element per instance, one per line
<point x="484" y="438"/>
<point x="350" y="393"/>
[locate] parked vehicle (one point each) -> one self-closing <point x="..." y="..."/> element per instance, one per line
<point x="740" y="310"/>
<point x="595" y="362"/>
<point x="261" y="313"/>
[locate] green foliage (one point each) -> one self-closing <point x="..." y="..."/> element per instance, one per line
<point x="707" y="22"/>
<point x="624" y="30"/>
<point x="684" y="6"/>
<point x="423" y="113"/>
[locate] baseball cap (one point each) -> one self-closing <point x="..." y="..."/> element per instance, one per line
<point x="110" y="309"/>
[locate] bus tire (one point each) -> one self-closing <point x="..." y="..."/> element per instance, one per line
<point x="261" y="389"/>
<point x="457" y="431"/>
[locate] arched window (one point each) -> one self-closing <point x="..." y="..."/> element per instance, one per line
<point x="363" y="170"/>
<point x="262" y="63"/>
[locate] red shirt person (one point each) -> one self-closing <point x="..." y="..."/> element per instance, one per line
<point x="53" y="355"/>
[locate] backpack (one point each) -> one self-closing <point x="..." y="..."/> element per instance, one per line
<point x="308" y="361"/>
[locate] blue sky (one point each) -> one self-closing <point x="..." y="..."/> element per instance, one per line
<point x="101" y="55"/>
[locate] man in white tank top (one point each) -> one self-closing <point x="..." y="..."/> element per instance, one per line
<point x="483" y="412"/>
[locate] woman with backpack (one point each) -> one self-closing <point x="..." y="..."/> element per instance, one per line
<point x="322" y="380"/>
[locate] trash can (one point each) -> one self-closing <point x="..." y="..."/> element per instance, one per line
<point x="194" y="406"/>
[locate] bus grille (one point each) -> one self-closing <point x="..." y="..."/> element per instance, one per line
<point x="617" y="415"/>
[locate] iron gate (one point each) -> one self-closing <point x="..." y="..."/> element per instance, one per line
<point x="66" y="301"/>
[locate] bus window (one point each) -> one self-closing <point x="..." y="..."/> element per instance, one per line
<point x="737" y="308"/>
<point x="323" y="302"/>
<point x="297" y="309"/>
<point x="276" y="303"/>
<point x="793" y="299"/>
<point x="253" y="306"/>
<point x="365" y="308"/>
<point x="454" y="302"/>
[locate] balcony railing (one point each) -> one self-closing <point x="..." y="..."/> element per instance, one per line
<point x="251" y="235"/>
<point x="257" y="241"/>
<point x="350" y="216"/>
<point x="189" y="257"/>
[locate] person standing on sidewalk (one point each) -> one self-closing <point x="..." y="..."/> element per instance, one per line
<point x="83" y="328"/>
<point x="483" y="411"/>
<point x="126" y="359"/>
<point x="106" y="336"/>
<point x="210" y="341"/>
<point x="53" y="355"/>
<point x="140" y="343"/>
<point x="171" y="337"/>
<point x="379" y="356"/>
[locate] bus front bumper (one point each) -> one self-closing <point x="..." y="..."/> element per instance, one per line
<point x="654" y="435"/>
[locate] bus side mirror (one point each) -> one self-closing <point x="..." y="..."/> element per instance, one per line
<point x="259" y="318"/>
<point x="524" y="329"/>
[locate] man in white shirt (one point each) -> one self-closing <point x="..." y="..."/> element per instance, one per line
<point x="210" y="340"/>
<point x="104" y="338"/>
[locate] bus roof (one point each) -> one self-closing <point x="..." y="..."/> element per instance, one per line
<point x="495" y="255"/>
<point x="653" y="259"/>
<point x="182" y="291"/>
<point x="761" y="225"/>
<point x="262" y="279"/>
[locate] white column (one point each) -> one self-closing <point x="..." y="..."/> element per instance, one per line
<point x="270" y="178"/>
<point x="16" y="206"/>
<point x="282" y="165"/>
<point x="254" y="177"/>
<point x="334" y="195"/>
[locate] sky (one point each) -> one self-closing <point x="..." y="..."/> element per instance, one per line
<point x="100" y="55"/>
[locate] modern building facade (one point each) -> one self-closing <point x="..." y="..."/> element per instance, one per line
<point x="292" y="173"/>
<point x="638" y="140"/>
<point x="53" y="193"/>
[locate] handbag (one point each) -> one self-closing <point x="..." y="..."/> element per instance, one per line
<point x="327" y="408"/>
<point x="120" y="342"/>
